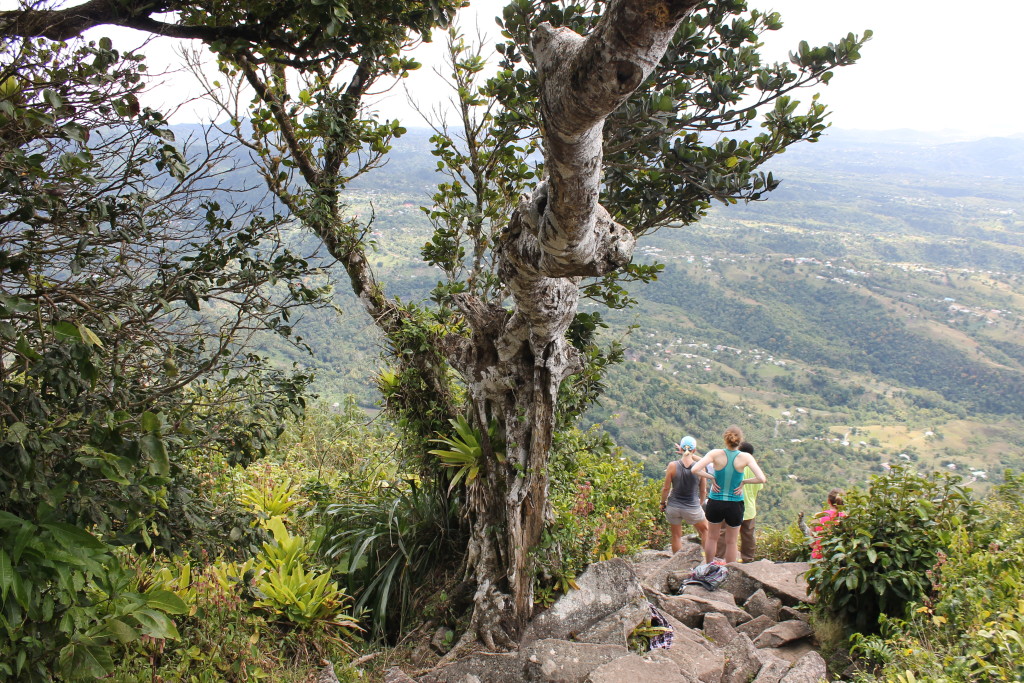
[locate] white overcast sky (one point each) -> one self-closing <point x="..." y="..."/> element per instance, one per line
<point x="937" y="65"/>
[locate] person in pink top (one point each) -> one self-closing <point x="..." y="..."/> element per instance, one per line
<point x="825" y="520"/>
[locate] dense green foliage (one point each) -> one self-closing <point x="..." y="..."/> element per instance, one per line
<point x="604" y="507"/>
<point x="876" y="558"/>
<point x="969" y="627"/>
<point x="389" y="544"/>
<point x="125" y="296"/>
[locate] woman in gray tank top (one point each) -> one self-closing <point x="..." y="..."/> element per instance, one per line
<point x="683" y="493"/>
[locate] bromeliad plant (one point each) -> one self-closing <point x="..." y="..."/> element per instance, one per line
<point x="464" y="451"/>
<point x="304" y="598"/>
<point x="269" y="501"/>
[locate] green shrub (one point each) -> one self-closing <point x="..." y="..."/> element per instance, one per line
<point x="788" y="544"/>
<point x="387" y="544"/>
<point x="604" y="507"/>
<point x="877" y="558"/>
<point x="971" y="625"/>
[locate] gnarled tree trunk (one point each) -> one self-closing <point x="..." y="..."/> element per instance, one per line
<point x="515" y="362"/>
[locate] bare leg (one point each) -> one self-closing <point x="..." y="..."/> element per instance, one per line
<point x="711" y="542"/>
<point x="677" y="537"/>
<point x="731" y="551"/>
<point x="702" y="531"/>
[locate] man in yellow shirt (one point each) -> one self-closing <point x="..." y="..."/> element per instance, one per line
<point x="748" y="541"/>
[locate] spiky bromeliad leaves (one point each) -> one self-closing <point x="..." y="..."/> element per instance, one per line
<point x="464" y="451"/>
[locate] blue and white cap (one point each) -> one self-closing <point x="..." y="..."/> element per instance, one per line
<point x="688" y="442"/>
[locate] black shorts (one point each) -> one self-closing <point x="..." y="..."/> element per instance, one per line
<point x="728" y="511"/>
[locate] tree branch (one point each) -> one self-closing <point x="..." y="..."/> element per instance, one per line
<point x="582" y="81"/>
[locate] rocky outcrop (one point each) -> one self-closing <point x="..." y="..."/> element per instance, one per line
<point x="606" y="606"/>
<point x="782" y="580"/>
<point x="585" y="636"/>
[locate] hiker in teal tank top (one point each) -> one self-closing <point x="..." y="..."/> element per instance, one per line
<point x="725" y="502"/>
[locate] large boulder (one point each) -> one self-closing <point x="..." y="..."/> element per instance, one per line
<point x="493" y="668"/>
<point x="679" y="565"/>
<point x="794" y="650"/>
<point x="718" y="629"/>
<point x="773" y="669"/>
<point x="742" y="660"/>
<point x="648" y="562"/>
<point x="561" y="661"/>
<point x="759" y="603"/>
<point x="734" y="614"/>
<point x="614" y="629"/>
<point x="636" y="669"/>
<point x="685" y="610"/>
<point x="608" y="602"/>
<point x="785" y="632"/>
<point x="695" y="590"/>
<point x="753" y="628"/>
<point x="809" y="669"/>
<point x="782" y="580"/>
<point x="694" y="655"/>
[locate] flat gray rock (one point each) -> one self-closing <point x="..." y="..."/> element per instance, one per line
<point x="783" y="633"/>
<point x="734" y="614"/>
<point x="604" y="590"/>
<point x="493" y="668"/>
<point x="753" y="628"/>
<point x="561" y="661"/>
<point x="636" y="669"/>
<point x="783" y="580"/>
<point x="793" y="651"/>
<point x="696" y="590"/>
<point x="683" y="609"/>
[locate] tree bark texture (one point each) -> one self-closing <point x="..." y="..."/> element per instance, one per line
<point x="516" y="361"/>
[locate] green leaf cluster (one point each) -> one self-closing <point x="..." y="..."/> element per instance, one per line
<point x="876" y="559"/>
<point x="667" y="156"/>
<point x="123" y="295"/>
<point x="390" y="543"/>
<point x="464" y="451"/>
<point x="969" y="627"/>
<point x="603" y="507"/>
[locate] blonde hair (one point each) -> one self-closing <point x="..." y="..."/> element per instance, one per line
<point x="835" y="497"/>
<point x="733" y="437"/>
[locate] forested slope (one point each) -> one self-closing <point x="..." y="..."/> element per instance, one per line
<point x="868" y="312"/>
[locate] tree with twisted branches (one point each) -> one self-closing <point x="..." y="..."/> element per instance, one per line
<point x="630" y="103"/>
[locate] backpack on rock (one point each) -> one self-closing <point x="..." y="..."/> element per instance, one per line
<point x="710" y="576"/>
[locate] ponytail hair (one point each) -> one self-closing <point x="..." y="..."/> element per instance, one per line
<point x="835" y="497"/>
<point x="733" y="437"/>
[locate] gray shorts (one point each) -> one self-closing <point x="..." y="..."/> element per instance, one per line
<point x="676" y="515"/>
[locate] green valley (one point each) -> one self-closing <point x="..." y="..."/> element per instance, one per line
<point x="868" y="313"/>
